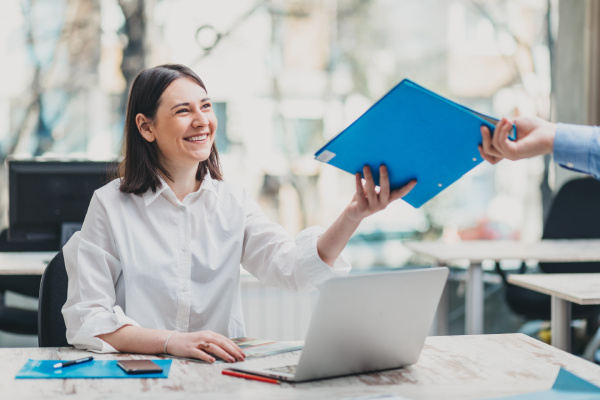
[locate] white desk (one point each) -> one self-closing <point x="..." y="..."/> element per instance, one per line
<point x="25" y="263"/>
<point x="450" y="367"/>
<point x="476" y="251"/>
<point x="564" y="290"/>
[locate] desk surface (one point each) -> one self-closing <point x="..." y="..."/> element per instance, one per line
<point x="576" y="288"/>
<point x="476" y="251"/>
<point x="450" y="367"/>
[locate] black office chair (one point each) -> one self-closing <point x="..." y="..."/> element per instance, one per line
<point x="53" y="295"/>
<point x="16" y="319"/>
<point x="574" y="214"/>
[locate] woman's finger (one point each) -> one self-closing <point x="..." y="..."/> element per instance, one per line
<point x="231" y="348"/>
<point x="360" y="191"/>
<point x="384" y="185"/>
<point x="370" y="186"/>
<point x="225" y="343"/>
<point x="201" y="355"/>
<point x="216" y="350"/>
<point x="403" y="191"/>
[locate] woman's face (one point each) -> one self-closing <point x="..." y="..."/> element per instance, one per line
<point x="185" y="125"/>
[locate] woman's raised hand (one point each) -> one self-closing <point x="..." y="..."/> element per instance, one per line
<point x="369" y="199"/>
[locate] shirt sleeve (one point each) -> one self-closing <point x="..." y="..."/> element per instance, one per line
<point x="93" y="268"/>
<point x="277" y="259"/>
<point x="577" y="147"/>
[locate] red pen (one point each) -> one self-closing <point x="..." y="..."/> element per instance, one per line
<point x="249" y="376"/>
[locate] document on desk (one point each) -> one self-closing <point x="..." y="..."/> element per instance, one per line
<point x="566" y="386"/>
<point x="254" y="348"/>
<point x="262" y="348"/>
<point x="417" y="134"/>
<point x="44" y="369"/>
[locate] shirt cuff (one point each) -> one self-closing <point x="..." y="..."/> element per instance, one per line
<point x="315" y="270"/>
<point x="87" y="337"/>
<point x="572" y="144"/>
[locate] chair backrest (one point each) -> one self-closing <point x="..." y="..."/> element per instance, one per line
<point x="53" y="295"/>
<point x="574" y="214"/>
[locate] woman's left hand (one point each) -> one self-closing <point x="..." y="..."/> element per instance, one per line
<point x="369" y="199"/>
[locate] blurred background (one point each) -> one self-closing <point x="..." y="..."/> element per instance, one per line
<point x="287" y="76"/>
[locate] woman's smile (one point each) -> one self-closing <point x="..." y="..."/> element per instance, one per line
<point x="198" y="138"/>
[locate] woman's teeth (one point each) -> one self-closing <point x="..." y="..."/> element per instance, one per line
<point x="196" y="138"/>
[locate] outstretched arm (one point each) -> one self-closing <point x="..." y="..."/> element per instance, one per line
<point x="368" y="200"/>
<point x="575" y="147"/>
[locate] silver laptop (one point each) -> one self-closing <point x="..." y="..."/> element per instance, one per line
<point x="362" y="323"/>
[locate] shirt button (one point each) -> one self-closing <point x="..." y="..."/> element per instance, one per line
<point x="181" y="325"/>
<point x="182" y="208"/>
<point x="183" y="288"/>
<point x="183" y="248"/>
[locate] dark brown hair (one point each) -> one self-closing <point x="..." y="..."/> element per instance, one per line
<point x="140" y="168"/>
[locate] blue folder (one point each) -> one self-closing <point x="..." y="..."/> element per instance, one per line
<point x="418" y="135"/>
<point x="44" y="369"/>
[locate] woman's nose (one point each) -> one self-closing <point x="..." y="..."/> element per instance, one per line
<point x="200" y="119"/>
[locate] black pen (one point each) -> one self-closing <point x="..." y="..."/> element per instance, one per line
<point x="72" y="362"/>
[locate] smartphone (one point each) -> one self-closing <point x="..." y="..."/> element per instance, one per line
<point x="139" y="366"/>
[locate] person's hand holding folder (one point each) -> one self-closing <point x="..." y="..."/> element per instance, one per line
<point x="535" y="137"/>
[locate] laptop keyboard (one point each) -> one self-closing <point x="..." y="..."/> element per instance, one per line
<point x="288" y="369"/>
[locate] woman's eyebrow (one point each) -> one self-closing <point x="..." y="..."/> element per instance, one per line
<point x="179" y="105"/>
<point x="187" y="104"/>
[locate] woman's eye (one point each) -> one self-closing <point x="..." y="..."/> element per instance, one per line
<point x="207" y="105"/>
<point x="182" y="110"/>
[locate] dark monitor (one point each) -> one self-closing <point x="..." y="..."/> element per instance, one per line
<point x="48" y="199"/>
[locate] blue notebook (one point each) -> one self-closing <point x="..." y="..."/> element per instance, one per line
<point x="418" y="135"/>
<point x="44" y="369"/>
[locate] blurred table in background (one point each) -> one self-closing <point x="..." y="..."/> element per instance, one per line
<point x="478" y="251"/>
<point x="564" y="289"/>
<point x="25" y="263"/>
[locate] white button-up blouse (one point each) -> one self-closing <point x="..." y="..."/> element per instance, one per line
<point x="156" y="262"/>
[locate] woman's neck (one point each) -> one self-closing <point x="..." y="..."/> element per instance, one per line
<point x="183" y="182"/>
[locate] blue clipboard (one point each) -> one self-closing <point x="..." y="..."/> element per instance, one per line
<point x="417" y="134"/>
<point x="44" y="369"/>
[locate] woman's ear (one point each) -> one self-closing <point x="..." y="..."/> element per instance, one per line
<point x="144" y="125"/>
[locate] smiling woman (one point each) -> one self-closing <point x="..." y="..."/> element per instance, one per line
<point x="167" y="104"/>
<point x="155" y="267"/>
<point x="183" y="129"/>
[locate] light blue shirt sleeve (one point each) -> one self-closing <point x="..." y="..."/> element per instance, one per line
<point x="577" y="147"/>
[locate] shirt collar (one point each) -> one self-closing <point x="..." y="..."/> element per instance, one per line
<point x="150" y="196"/>
<point x="208" y="184"/>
